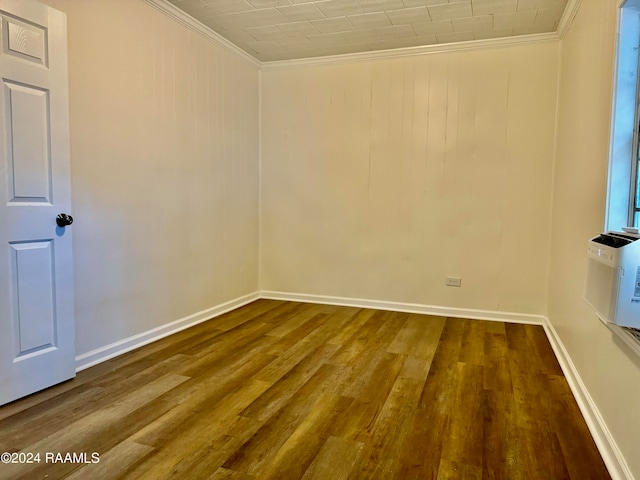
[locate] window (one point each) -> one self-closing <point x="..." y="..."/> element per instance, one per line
<point x="623" y="196"/>
<point x="623" y="206"/>
<point x="634" y="203"/>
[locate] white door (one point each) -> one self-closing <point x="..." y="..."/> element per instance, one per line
<point x="36" y="281"/>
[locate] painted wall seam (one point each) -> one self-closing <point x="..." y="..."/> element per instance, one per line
<point x="553" y="174"/>
<point x="570" y="12"/>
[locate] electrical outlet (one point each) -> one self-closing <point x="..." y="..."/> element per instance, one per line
<point x="453" y="281"/>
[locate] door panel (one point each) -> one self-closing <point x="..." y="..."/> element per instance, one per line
<point x="36" y="282"/>
<point x="26" y="41"/>
<point x="27" y="133"/>
<point x="33" y="312"/>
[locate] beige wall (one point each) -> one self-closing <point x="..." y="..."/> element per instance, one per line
<point x="380" y="178"/>
<point x="164" y="144"/>
<point x="609" y="370"/>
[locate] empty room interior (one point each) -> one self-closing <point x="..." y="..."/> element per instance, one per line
<point x="317" y="239"/>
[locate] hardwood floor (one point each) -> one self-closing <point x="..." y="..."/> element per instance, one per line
<point x="286" y="390"/>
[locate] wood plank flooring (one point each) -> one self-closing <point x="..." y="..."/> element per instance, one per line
<point x="284" y="390"/>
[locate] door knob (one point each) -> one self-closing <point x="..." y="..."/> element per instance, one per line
<point x="63" y="219"/>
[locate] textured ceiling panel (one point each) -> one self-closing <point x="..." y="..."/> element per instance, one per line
<point x="271" y="30"/>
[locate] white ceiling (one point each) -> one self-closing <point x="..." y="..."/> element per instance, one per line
<point x="271" y="30"/>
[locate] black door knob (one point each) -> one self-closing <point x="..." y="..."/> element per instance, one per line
<point x="63" y="219"/>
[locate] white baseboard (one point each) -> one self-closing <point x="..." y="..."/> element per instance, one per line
<point x="112" y="350"/>
<point x="473" y="314"/>
<point x="107" y="352"/>
<point x="607" y="446"/>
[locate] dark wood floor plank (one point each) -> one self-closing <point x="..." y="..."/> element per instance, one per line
<point x="529" y="382"/>
<point x="495" y="327"/>
<point x="464" y="442"/>
<point x="472" y="347"/>
<point x="262" y="309"/>
<point x="293" y="390"/>
<point x="499" y="448"/>
<point x="540" y="344"/>
<point x="115" y="463"/>
<point x="213" y="450"/>
<point x="201" y="396"/>
<point x="369" y="345"/>
<point x="531" y="341"/>
<point x="290" y="354"/>
<point x="390" y="431"/>
<point x="206" y="443"/>
<point x="287" y="386"/>
<point x="416" y="368"/>
<point x="369" y="396"/>
<point x="440" y="386"/>
<point x="496" y="376"/>
<point x="418" y="337"/>
<point x="337" y="322"/>
<point x="452" y="470"/>
<point x="573" y="433"/>
<point x="359" y="319"/>
<point x="236" y="345"/>
<point x="379" y="376"/>
<point x="335" y="460"/>
<point x="296" y="454"/>
<point x="224" y="473"/>
<point x="379" y="330"/>
<point x="261" y="448"/>
<point x="423" y="452"/>
<point x="31" y="421"/>
<point x="296" y="335"/>
<point x="42" y="421"/>
<point x="93" y="429"/>
<point x="192" y="340"/>
<point x="303" y="312"/>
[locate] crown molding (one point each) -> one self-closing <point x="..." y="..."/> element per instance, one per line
<point x="491" y="43"/>
<point x="188" y="21"/>
<point x="192" y="24"/>
<point x="570" y="12"/>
